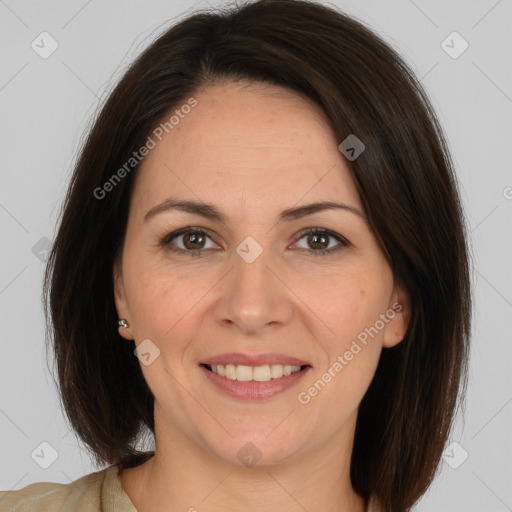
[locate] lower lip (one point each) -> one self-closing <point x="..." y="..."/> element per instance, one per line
<point x="253" y="390"/>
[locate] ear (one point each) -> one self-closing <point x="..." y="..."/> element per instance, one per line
<point x="122" y="308"/>
<point x="399" y="315"/>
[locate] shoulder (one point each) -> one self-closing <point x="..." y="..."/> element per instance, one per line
<point x="82" y="494"/>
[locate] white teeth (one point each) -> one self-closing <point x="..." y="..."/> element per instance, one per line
<point x="262" y="373"/>
<point x="230" y="371"/>
<point x="276" y="371"/>
<point x="245" y="373"/>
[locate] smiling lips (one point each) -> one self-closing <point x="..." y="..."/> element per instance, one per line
<point x="245" y="373"/>
<point x="253" y="377"/>
<point x="254" y="367"/>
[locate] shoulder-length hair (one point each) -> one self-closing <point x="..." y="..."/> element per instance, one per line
<point x="405" y="180"/>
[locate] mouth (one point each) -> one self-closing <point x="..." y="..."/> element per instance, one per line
<point x="262" y="373"/>
<point x="253" y="383"/>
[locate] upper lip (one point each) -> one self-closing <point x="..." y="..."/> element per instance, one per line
<point x="254" y="360"/>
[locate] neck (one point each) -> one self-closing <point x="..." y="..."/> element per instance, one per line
<point x="184" y="476"/>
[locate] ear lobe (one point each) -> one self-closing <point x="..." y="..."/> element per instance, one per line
<point x="399" y="314"/>
<point x="120" y="300"/>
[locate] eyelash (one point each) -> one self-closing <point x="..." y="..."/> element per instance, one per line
<point x="166" y="240"/>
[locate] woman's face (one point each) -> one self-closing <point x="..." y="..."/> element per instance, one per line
<point x="255" y="288"/>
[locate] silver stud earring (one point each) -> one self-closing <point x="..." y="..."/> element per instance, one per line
<point x="122" y="323"/>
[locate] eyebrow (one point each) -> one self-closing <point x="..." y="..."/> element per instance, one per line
<point x="209" y="211"/>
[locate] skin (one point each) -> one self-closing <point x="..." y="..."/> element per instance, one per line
<point x="252" y="150"/>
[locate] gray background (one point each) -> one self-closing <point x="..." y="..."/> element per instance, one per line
<point x="46" y="105"/>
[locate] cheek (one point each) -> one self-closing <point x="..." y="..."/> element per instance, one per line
<point x="167" y="305"/>
<point x="157" y="301"/>
<point x="163" y="307"/>
<point x="354" y="351"/>
<point x="350" y="362"/>
<point x="350" y="304"/>
<point x="351" y="308"/>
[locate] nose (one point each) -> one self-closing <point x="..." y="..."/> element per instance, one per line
<point x="255" y="295"/>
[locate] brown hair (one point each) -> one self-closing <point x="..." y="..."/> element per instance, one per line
<point x="406" y="183"/>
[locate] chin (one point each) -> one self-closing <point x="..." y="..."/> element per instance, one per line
<point x="257" y="448"/>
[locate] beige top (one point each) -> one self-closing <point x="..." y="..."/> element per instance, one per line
<point x="99" y="491"/>
<point x="96" y="492"/>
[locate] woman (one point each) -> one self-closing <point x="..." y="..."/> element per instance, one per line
<point x="265" y="214"/>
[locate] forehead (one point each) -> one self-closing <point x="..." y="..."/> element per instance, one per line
<point x="261" y="141"/>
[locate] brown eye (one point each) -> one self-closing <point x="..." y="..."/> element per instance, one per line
<point x="191" y="241"/>
<point x="318" y="241"/>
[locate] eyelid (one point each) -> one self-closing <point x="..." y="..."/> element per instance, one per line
<point x="184" y="231"/>
<point x="325" y="231"/>
<point x="342" y="241"/>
